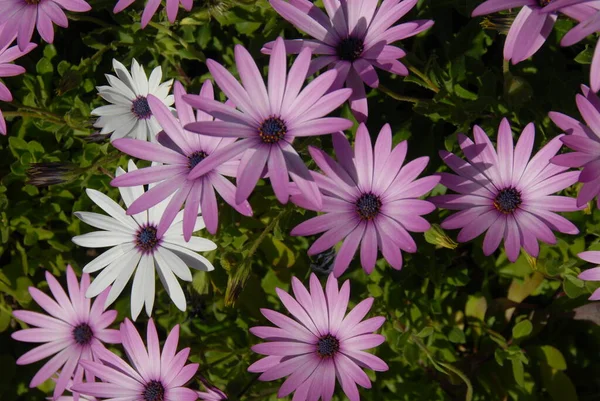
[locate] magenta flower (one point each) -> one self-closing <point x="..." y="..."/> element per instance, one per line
<point x="353" y="38"/>
<point x="151" y="7"/>
<point x="7" y="69"/>
<point x="181" y="151"/>
<point x="320" y="343"/>
<point x="533" y="24"/>
<point x="22" y="16"/>
<point x="591" y="274"/>
<point x="154" y="376"/>
<point x="585" y="141"/>
<point x="506" y="193"/>
<point x="73" y="332"/>
<point x="369" y="199"/>
<point x="268" y="121"/>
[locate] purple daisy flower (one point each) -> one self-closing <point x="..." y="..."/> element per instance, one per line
<point x="585" y="141"/>
<point x="181" y="151"/>
<point x="506" y="193"/>
<point x="353" y="38"/>
<point x="369" y="199"/>
<point x="154" y="376"/>
<point x="151" y="7"/>
<point x="212" y="393"/>
<point x="268" y="120"/>
<point x="7" y="69"/>
<point x="533" y="24"/>
<point x="320" y="344"/>
<point x="591" y="274"/>
<point x="73" y="332"/>
<point x="22" y="16"/>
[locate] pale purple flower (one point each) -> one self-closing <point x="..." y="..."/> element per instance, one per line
<point x="152" y="375"/>
<point x="320" y="344"/>
<point x="369" y="199"/>
<point x="73" y="331"/>
<point x="533" y="24"/>
<point x="584" y="139"/>
<point x="591" y="274"/>
<point x="181" y="151"/>
<point x="354" y="37"/>
<point x="151" y="7"/>
<point x="22" y="16"/>
<point x="268" y="120"/>
<point x="212" y="393"/>
<point x="7" y="69"/>
<point x="508" y="193"/>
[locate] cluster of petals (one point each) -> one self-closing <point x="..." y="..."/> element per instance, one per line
<point x="23" y="16"/>
<point x="354" y="37"/>
<point x="152" y="374"/>
<point x="370" y="199"/>
<point x="129" y="115"/>
<point x="507" y="192"/>
<point x="592" y="274"/>
<point x="72" y="331"/>
<point x="268" y="119"/>
<point x="180" y="151"/>
<point x="7" y="69"/>
<point x="138" y="246"/>
<point x="584" y="139"/>
<point x="172" y="7"/>
<point x="321" y="343"/>
<point x="534" y="22"/>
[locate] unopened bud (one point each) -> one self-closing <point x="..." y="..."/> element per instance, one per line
<point x="51" y="173"/>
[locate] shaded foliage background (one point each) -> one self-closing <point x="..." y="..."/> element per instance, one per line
<point x="459" y="325"/>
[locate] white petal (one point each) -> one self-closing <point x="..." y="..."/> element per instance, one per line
<point x="120" y="86"/>
<point x="139" y="285"/>
<point x="130" y="194"/>
<point x="192" y="259"/>
<point x="102" y="239"/>
<point x="139" y="78"/>
<point x="111" y="207"/>
<point x="110" y="110"/>
<point x="108" y="275"/>
<point x="172" y="286"/>
<point x="108" y="257"/>
<point x="177" y="225"/>
<point x="149" y="287"/>
<point x="121" y="281"/>
<point x="195" y="243"/>
<point x="154" y="80"/>
<point x="169" y="260"/>
<point x="103" y="222"/>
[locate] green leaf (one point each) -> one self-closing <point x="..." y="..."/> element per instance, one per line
<point x="553" y="357"/>
<point x="522" y="329"/>
<point x="457" y="336"/>
<point x="518" y="372"/>
<point x="426" y="332"/>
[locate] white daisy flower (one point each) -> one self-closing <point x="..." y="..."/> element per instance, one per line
<point x="129" y="114"/>
<point x="136" y="247"/>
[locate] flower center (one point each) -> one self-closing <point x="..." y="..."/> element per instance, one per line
<point x="83" y="334"/>
<point x="146" y="239"/>
<point x="196" y="158"/>
<point x="368" y="206"/>
<point x="350" y="49"/>
<point x="544" y="3"/>
<point x="154" y="391"/>
<point x="507" y="200"/>
<point x="328" y="346"/>
<point x="140" y="108"/>
<point x="33" y="2"/>
<point x="272" y="130"/>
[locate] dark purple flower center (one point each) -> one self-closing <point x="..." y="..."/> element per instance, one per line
<point x="140" y="108"/>
<point x="350" y="49"/>
<point x="327" y="346"/>
<point x="196" y="158"/>
<point x="544" y="3"/>
<point x="32" y="2"/>
<point x="145" y="239"/>
<point x="154" y="391"/>
<point x="368" y="206"/>
<point x="272" y="130"/>
<point x="83" y="334"/>
<point x="507" y="200"/>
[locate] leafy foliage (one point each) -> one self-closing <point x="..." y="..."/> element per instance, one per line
<point x="460" y="326"/>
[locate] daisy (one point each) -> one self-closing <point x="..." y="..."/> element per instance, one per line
<point x="7" y="69"/>
<point x="137" y="246"/>
<point x="591" y="274"/>
<point x="354" y="38"/>
<point x="533" y="24"/>
<point x="73" y="330"/>
<point x="212" y="393"/>
<point x="585" y="141"/>
<point x="152" y="6"/>
<point x="268" y="120"/>
<point x="151" y="375"/>
<point x="129" y="114"/>
<point x="22" y="16"/>
<point x="369" y="199"/>
<point x="181" y="150"/>
<point x="320" y="343"/>
<point x="506" y="193"/>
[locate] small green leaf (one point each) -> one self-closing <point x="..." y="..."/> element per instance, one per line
<point x="426" y="332"/>
<point x="522" y="329"/>
<point x="457" y="336"/>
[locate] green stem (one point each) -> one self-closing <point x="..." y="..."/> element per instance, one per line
<point x="424" y="77"/>
<point x="25" y="114"/>
<point x="399" y="97"/>
<point x="80" y="17"/>
<point x="18" y="105"/>
<point x="247" y="387"/>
